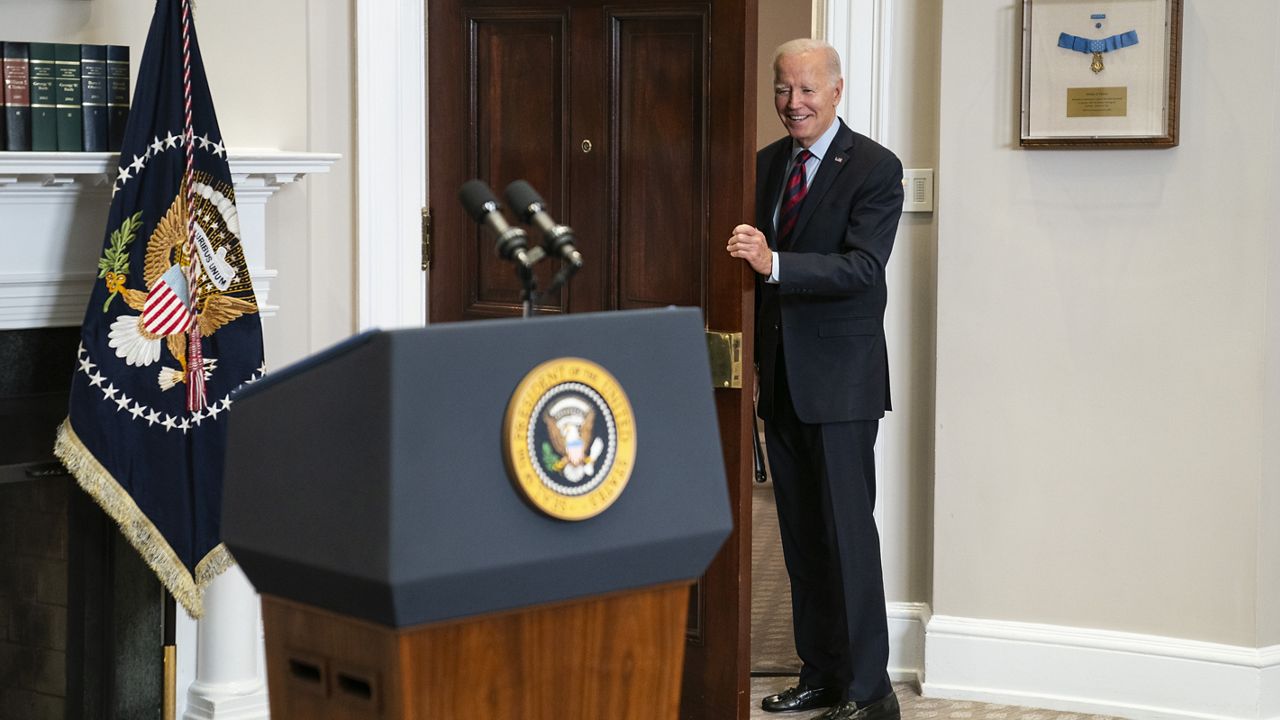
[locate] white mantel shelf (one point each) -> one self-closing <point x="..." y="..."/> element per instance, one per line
<point x="244" y="161"/>
<point x="53" y="211"/>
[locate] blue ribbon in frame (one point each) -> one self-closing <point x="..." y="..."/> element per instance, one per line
<point x="1097" y="47"/>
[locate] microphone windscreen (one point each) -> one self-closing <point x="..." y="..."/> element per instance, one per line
<point x="475" y="194"/>
<point x="521" y="195"/>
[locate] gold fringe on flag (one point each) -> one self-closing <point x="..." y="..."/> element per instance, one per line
<point x="138" y="529"/>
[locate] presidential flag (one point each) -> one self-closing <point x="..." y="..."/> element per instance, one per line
<point x="172" y="325"/>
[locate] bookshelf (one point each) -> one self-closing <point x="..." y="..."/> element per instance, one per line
<point x="53" y="210"/>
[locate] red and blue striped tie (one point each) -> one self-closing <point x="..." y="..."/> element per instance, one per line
<point x="792" y="196"/>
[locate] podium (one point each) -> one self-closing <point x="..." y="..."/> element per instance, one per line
<point x="481" y="520"/>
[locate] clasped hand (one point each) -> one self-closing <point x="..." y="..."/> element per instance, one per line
<point x="749" y="244"/>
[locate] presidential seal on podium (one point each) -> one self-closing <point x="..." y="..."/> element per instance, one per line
<point x="569" y="438"/>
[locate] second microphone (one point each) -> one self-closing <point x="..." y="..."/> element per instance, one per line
<point x="559" y="240"/>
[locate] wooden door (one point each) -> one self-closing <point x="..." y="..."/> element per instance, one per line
<point x="635" y="120"/>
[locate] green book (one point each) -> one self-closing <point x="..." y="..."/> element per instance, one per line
<point x="68" y="92"/>
<point x="44" y="103"/>
<point x="117" y="95"/>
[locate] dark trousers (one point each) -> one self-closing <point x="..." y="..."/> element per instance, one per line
<point x="824" y="481"/>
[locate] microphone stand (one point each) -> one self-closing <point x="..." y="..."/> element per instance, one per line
<point x="564" y="274"/>
<point x="528" y="283"/>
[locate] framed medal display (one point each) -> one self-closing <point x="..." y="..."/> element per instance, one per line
<point x="1100" y="73"/>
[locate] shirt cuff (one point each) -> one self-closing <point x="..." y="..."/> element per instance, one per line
<point x="773" y="274"/>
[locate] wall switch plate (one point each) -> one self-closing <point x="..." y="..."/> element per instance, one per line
<point x="917" y="187"/>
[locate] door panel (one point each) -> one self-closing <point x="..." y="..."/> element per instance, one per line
<point x="660" y="79"/>
<point x="516" y="76"/>
<point x="588" y="201"/>
<point x="640" y="137"/>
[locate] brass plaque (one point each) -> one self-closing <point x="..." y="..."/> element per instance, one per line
<point x="1097" y="102"/>
<point x="724" y="350"/>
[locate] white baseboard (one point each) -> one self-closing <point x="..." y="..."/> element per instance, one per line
<point x="1270" y="701"/>
<point x="907" y="622"/>
<point x="906" y="641"/>
<point x="1098" y="671"/>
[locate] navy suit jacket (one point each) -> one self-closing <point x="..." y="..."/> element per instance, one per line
<point x="826" y="315"/>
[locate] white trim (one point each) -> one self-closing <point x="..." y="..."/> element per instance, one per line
<point x="1269" y="702"/>
<point x="907" y="622"/>
<point x="40" y="300"/>
<point x="906" y="640"/>
<point x="818" y="21"/>
<point x="391" y="147"/>
<point x="64" y="167"/>
<point x="53" y="209"/>
<point x="230" y="681"/>
<point x="859" y="31"/>
<point x="882" y="63"/>
<point x="1098" y="671"/>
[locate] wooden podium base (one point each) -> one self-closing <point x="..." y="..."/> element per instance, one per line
<point x="617" y="656"/>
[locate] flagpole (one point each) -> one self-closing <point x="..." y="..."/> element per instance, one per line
<point x="170" y="694"/>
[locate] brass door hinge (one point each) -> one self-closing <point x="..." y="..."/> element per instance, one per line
<point x="426" y="239"/>
<point x="724" y="350"/>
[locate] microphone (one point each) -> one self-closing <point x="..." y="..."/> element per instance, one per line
<point x="531" y="208"/>
<point x="479" y="202"/>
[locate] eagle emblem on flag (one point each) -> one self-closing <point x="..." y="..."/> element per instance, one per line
<point x="165" y="312"/>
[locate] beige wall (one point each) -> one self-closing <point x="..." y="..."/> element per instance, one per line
<point x="1269" y="528"/>
<point x="780" y="21"/>
<point x="905" y="446"/>
<point x="1103" y="347"/>
<point x="286" y="80"/>
<point x="1269" y="496"/>
<point x="281" y="74"/>
<point x="257" y="70"/>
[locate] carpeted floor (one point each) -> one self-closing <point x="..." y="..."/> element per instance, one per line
<point x="773" y="651"/>
<point x="915" y="707"/>
<point x="772" y="648"/>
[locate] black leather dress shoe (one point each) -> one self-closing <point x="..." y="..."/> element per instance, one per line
<point x="801" y="697"/>
<point x="886" y="708"/>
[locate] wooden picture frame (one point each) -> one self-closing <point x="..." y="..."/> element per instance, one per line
<point x="1100" y="73"/>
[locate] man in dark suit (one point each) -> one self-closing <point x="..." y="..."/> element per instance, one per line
<point x="828" y="202"/>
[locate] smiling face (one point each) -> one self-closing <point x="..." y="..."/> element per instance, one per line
<point x="805" y="93"/>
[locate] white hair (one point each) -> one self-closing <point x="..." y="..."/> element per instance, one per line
<point x="802" y="46"/>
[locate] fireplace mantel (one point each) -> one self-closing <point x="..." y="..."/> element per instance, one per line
<point x="53" y="209"/>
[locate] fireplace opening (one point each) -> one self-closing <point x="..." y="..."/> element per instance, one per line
<point x="80" y="614"/>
